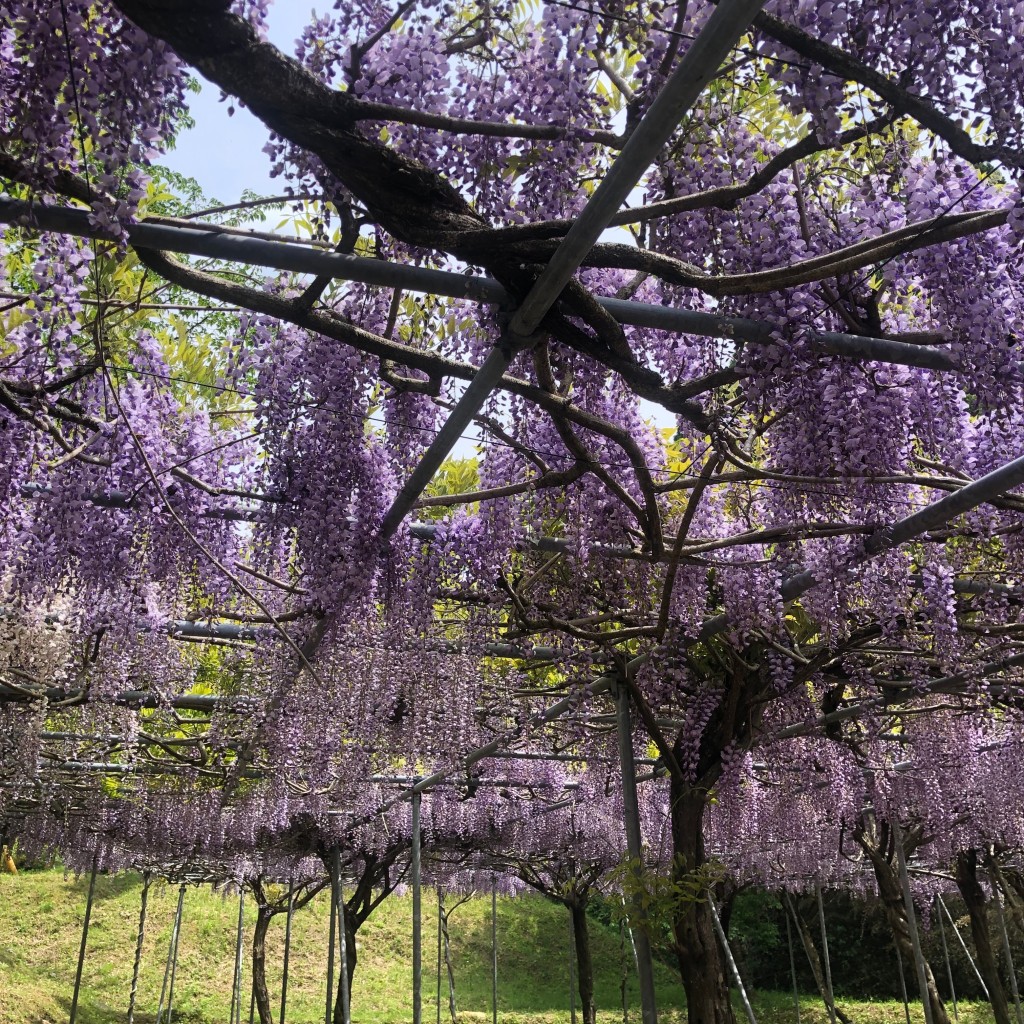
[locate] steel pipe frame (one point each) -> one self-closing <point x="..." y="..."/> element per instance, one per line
<point x="935" y="514"/>
<point x="695" y="70"/>
<point x="297" y="258"/>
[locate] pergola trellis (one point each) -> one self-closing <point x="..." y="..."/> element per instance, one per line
<point x="729" y="21"/>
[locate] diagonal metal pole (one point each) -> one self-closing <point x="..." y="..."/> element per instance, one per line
<point x="695" y="70"/>
<point x="343" y="978"/>
<point x="174" y="959"/>
<point x="903" y="979"/>
<point x="332" y="933"/>
<point x="85" y="938"/>
<point x="731" y="960"/>
<point x="825" y="956"/>
<point x="792" y="965"/>
<point x="963" y="946"/>
<point x="949" y="968"/>
<point x="170" y="953"/>
<point x="235" y="1013"/>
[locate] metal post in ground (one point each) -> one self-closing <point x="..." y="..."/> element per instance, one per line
<point x="133" y="992"/>
<point x="174" y="958"/>
<point x="287" y="948"/>
<point x="825" y="956"/>
<point x="494" y="950"/>
<point x="331" y="936"/>
<point x="634" y="846"/>
<point x="963" y="946"/>
<point x="731" y="961"/>
<point x="915" y="938"/>
<point x="1010" y="969"/>
<point x="417" y="907"/>
<point x="235" y="1013"/>
<point x="343" y="982"/>
<point x="624" y="964"/>
<point x="572" y="968"/>
<point x="792" y="965"/>
<point x="439" y="909"/>
<point x="171" y="953"/>
<point x="85" y="938"/>
<point x="949" y="967"/>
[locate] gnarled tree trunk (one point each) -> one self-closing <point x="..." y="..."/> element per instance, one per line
<point x="584" y="964"/>
<point x="977" y="912"/>
<point x="264" y="915"/>
<point x="701" y="963"/>
<point x="874" y="842"/>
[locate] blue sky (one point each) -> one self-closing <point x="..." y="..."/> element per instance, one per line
<point x="225" y="153"/>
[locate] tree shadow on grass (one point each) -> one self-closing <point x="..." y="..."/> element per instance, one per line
<point x="107" y="886"/>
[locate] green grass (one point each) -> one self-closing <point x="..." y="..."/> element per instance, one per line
<point x="41" y="927"/>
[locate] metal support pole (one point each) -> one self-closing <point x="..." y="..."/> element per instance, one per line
<point x="624" y="963"/>
<point x="572" y="968"/>
<point x="133" y="992"/>
<point x="417" y="923"/>
<point x="963" y="946"/>
<point x="723" y="29"/>
<point x="200" y="240"/>
<point x="167" y="965"/>
<point x="792" y="965"/>
<point x="731" y="960"/>
<point x="494" y="950"/>
<point x="172" y="952"/>
<point x="235" y="1013"/>
<point x="634" y="846"/>
<point x="174" y="958"/>
<point x="287" y="948"/>
<point x="329" y="1010"/>
<point x="343" y="981"/>
<point x="825" y="956"/>
<point x="85" y="938"/>
<point x="915" y="938"/>
<point x="1010" y="969"/>
<point x="903" y="980"/>
<point x="439" y="908"/>
<point x="949" y="967"/>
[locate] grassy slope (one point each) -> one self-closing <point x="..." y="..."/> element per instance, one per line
<point x="41" y="927"/>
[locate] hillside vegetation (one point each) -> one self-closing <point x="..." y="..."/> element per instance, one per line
<point x="41" y="930"/>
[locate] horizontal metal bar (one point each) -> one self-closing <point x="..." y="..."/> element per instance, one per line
<point x="300" y="259"/>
